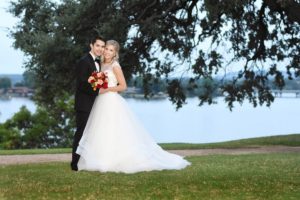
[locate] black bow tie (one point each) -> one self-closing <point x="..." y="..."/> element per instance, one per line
<point x="97" y="60"/>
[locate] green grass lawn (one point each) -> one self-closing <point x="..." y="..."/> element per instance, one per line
<point x="285" y="140"/>
<point x="35" y="151"/>
<point x="253" y="176"/>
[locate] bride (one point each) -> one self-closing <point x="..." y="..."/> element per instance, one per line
<point x="114" y="140"/>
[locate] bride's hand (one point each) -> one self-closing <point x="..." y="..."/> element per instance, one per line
<point x="102" y="91"/>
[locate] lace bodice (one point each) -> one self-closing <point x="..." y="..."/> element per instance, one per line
<point x="108" y="70"/>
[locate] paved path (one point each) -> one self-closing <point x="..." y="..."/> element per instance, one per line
<point x="66" y="157"/>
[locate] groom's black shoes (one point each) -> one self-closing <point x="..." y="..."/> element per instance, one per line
<point x="74" y="167"/>
<point x="75" y="159"/>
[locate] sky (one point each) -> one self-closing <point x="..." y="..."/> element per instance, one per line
<point x="11" y="60"/>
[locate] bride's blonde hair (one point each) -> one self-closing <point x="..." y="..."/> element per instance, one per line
<point x="117" y="48"/>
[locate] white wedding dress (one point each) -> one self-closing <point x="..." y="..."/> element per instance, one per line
<point x="115" y="141"/>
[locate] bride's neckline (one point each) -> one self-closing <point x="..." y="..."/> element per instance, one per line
<point x="107" y="64"/>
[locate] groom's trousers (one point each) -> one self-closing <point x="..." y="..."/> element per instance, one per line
<point x="81" y="120"/>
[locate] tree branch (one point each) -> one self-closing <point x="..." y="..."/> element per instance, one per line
<point x="291" y="8"/>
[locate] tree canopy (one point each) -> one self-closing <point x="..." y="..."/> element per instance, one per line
<point x="165" y="39"/>
<point x="5" y="83"/>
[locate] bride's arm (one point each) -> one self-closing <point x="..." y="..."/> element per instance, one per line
<point x="121" y="80"/>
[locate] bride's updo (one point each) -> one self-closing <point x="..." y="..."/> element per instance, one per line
<point x="117" y="48"/>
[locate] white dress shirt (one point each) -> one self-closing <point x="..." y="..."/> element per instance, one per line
<point x="97" y="65"/>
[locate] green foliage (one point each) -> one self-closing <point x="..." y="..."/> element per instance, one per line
<point x="21" y="120"/>
<point x="19" y="84"/>
<point x="29" y="79"/>
<point x="165" y="38"/>
<point x="43" y="129"/>
<point x="265" y="176"/>
<point x="9" y="138"/>
<point x="5" y="83"/>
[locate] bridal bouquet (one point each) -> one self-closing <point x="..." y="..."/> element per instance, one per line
<point x="98" y="80"/>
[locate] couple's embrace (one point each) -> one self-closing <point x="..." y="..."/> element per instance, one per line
<point x="109" y="138"/>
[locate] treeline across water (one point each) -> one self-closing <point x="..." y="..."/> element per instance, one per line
<point x="194" y="87"/>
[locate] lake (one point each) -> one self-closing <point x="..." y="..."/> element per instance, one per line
<point x="194" y="124"/>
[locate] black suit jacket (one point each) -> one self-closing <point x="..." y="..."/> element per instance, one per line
<point x="85" y="95"/>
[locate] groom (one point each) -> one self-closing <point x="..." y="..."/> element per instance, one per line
<point x="85" y="95"/>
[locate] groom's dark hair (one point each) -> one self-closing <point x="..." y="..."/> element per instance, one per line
<point x="95" y="38"/>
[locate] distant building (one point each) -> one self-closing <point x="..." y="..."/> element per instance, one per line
<point x="20" y="91"/>
<point x="132" y="90"/>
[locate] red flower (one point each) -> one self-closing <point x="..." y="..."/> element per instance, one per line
<point x="98" y="80"/>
